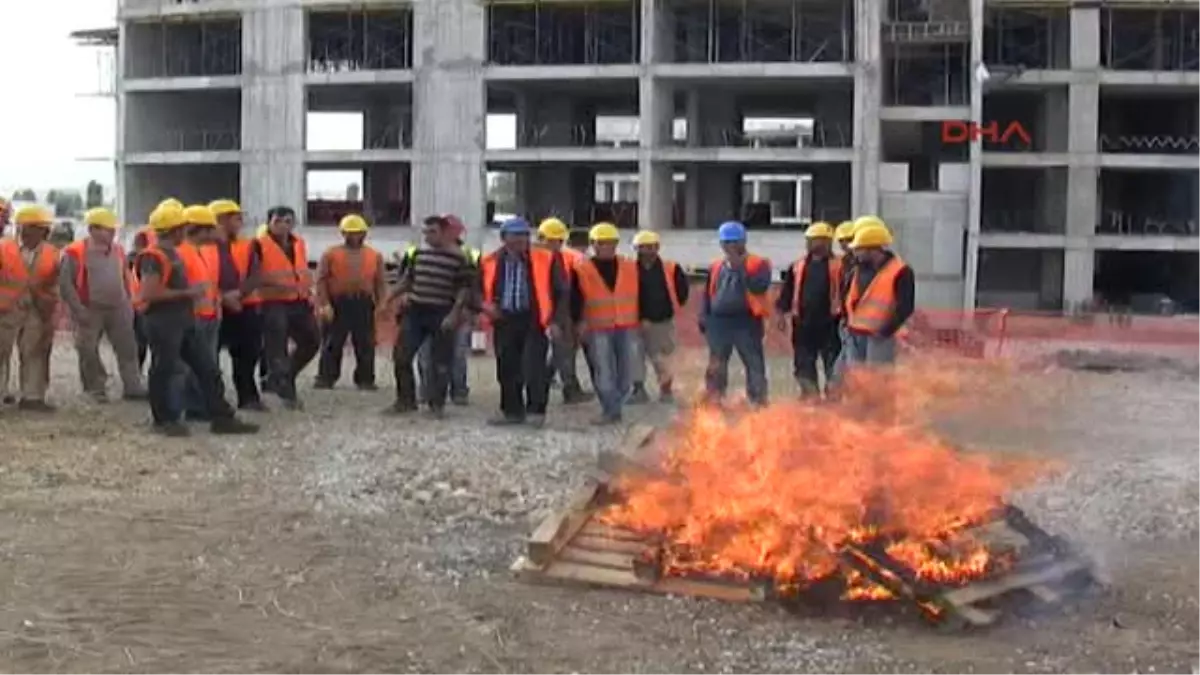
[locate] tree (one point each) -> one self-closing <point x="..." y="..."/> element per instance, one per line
<point x="503" y="192"/>
<point x="95" y="194"/>
<point x="66" y="202"/>
<point x="353" y="192"/>
<point x="24" y="195"/>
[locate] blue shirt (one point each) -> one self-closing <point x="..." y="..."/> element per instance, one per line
<point x="516" y="285"/>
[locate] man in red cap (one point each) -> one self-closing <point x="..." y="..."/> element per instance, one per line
<point x="459" y="390"/>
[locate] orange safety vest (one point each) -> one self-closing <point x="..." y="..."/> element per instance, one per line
<point x="605" y="308"/>
<point x="290" y="279"/>
<point x="759" y="306"/>
<point x="351" y="274"/>
<point x="540" y="263"/>
<point x="40" y="280"/>
<point x="199" y="273"/>
<point x="669" y="269"/>
<point x="835" y="285"/>
<point x="870" y="310"/>
<point x="571" y="258"/>
<point x="164" y="262"/>
<point x="149" y="236"/>
<point x="77" y="251"/>
<point x="241" y="250"/>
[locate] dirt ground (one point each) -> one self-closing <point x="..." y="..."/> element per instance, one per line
<point x="341" y="541"/>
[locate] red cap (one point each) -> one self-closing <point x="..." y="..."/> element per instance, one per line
<point x="454" y="225"/>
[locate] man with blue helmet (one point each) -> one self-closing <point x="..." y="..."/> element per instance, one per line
<point x="732" y="314"/>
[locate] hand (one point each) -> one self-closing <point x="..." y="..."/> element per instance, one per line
<point x="402" y="301"/>
<point x="781" y="322"/>
<point x="195" y="292"/>
<point x="490" y="309"/>
<point x="554" y="332"/>
<point x="324" y="313"/>
<point x="450" y="322"/>
<point x="736" y="259"/>
<point x="581" y="331"/>
<point x="232" y="300"/>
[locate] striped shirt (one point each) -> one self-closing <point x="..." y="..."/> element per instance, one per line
<point x="435" y="277"/>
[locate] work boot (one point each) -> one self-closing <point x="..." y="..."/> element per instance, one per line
<point x="323" y="384"/>
<point x="172" y="429"/>
<point x="502" y="420"/>
<point x="400" y="408"/>
<point x="576" y="395"/>
<point x="9" y="399"/>
<point x="35" y="405"/>
<point x="232" y="426"/>
<point x="638" y="396"/>
<point x="255" y="406"/>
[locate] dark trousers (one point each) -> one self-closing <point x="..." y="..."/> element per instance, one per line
<point x="285" y="322"/>
<point x="139" y="334"/>
<point x="815" y="349"/>
<point x="241" y="336"/>
<point x="522" y="349"/>
<point x="353" y="317"/>
<point x="174" y="344"/>
<point x="418" y="325"/>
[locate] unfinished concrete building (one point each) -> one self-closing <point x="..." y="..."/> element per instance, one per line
<point x="729" y="109"/>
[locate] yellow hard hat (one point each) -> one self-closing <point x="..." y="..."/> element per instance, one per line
<point x="844" y="231"/>
<point x="352" y="224"/>
<point x="100" y="217"/>
<point x="864" y="221"/>
<point x="261" y="231"/>
<point x="604" y="232"/>
<point x="871" y="236"/>
<point x="646" y="238"/>
<point x="170" y="202"/>
<point x="819" y="230"/>
<point x="28" y="216"/>
<point x="166" y="218"/>
<point x="552" y="229"/>
<point x="224" y="207"/>
<point x="198" y="214"/>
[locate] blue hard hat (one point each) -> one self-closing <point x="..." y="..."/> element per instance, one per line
<point x="731" y="231"/>
<point x="515" y="226"/>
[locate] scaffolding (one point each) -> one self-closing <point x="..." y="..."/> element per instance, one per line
<point x="204" y="48"/>
<point x="1150" y="39"/>
<point x="360" y="39"/>
<point x="1028" y="38"/>
<point x="927" y="75"/>
<point x="551" y="32"/>
<point x="765" y="31"/>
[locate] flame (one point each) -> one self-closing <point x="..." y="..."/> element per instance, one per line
<point x="779" y="492"/>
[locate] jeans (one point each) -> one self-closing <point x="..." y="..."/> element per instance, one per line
<point x="207" y="335"/>
<point x="744" y="335"/>
<point x="869" y="349"/>
<point x="284" y="322"/>
<point x="418" y="327"/>
<point x="175" y="344"/>
<point x="458" y="366"/>
<point x="612" y="352"/>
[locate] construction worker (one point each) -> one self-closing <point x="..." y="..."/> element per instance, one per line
<point x="552" y="235"/>
<point x="662" y="291"/>
<point x="431" y="300"/>
<point x="264" y="365"/>
<point x="604" y="308"/>
<point x="809" y="304"/>
<point x="28" y="299"/>
<point x="525" y="295"/>
<point x="202" y="263"/>
<point x="169" y="320"/>
<point x="350" y="289"/>
<point x="845" y="236"/>
<point x="881" y="297"/>
<point x="241" y="322"/>
<point x="143" y="238"/>
<point x="285" y="285"/>
<point x="460" y="391"/>
<point x="733" y="312"/>
<point x="94" y="283"/>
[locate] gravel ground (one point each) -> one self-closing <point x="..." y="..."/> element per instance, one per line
<point x="338" y="540"/>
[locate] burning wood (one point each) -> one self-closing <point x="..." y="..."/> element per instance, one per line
<point x="737" y="509"/>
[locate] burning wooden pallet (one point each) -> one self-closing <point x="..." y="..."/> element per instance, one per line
<point x="573" y="546"/>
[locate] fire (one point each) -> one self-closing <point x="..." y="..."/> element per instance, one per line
<point x="780" y="492"/>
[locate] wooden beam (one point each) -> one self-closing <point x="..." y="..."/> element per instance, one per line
<point x="983" y="590"/>
<point x="555" y="531"/>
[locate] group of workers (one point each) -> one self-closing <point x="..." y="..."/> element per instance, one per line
<point x="193" y="285"/>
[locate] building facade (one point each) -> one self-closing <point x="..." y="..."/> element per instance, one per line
<point x="213" y="97"/>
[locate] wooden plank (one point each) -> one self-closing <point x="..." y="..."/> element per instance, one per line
<point x="988" y="589"/>
<point x="588" y="542"/>
<point x="576" y="573"/>
<point x="709" y="589"/>
<point x="593" y="528"/>
<point x="554" y="532"/>
<point x="976" y="616"/>
<point x="619" y="561"/>
<point x="590" y="574"/>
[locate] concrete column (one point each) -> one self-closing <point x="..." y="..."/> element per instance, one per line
<point x="449" y="125"/>
<point x="128" y="209"/>
<point x="1079" y="270"/>
<point x="868" y="92"/>
<point x="1083" y="173"/>
<point x="970" y="281"/>
<point x="273" y="109"/>
<point x="655" y="120"/>
<point x="657" y="43"/>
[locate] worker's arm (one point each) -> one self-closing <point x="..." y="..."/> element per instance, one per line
<point x="154" y="283"/>
<point x="784" y="302"/>
<point x="381" y="286"/>
<point x="465" y="282"/>
<point x="560" y="290"/>
<point x="683" y="289"/>
<point x="758" y="281"/>
<point x="253" y="280"/>
<point x="67" y="270"/>
<point x="323" y="277"/>
<point x="906" y="301"/>
<point x="576" y="301"/>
